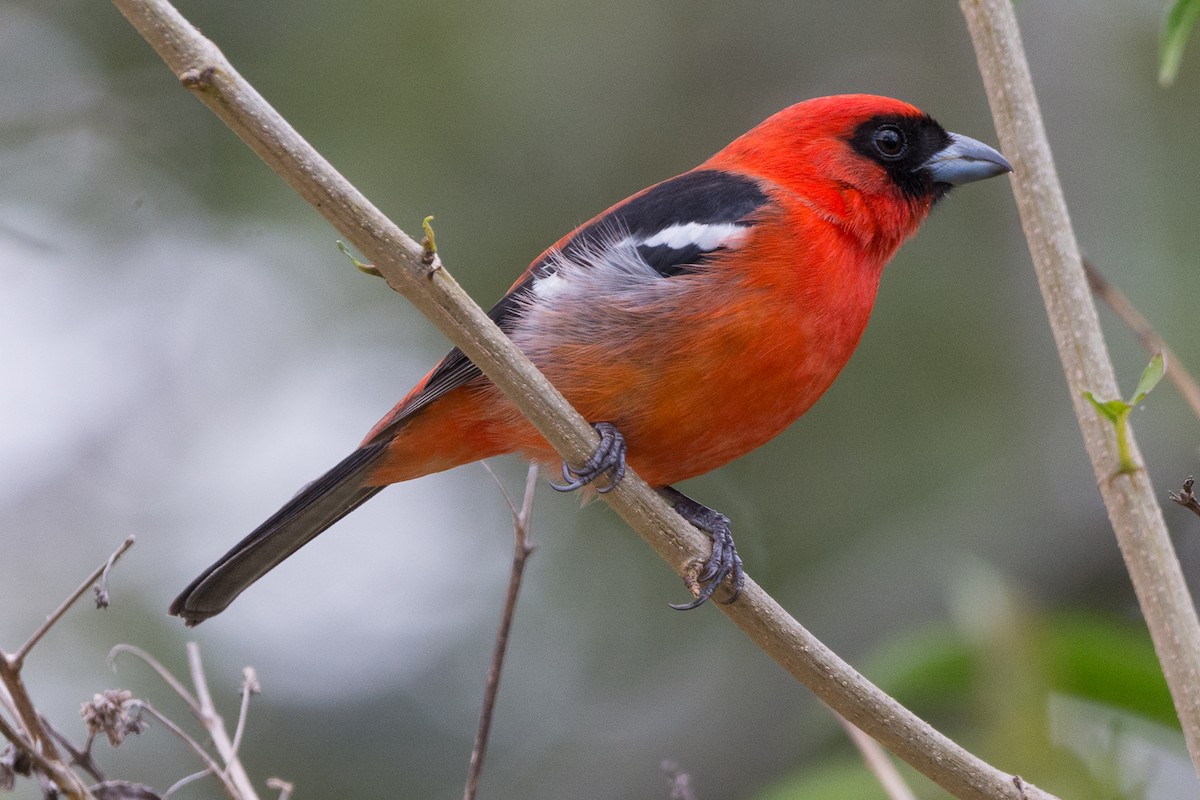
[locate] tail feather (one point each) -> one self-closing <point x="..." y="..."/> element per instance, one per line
<point x="317" y="506"/>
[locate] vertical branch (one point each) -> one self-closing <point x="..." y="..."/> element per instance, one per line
<point x="521" y="550"/>
<point x="1132" y="507"/>
<point x="233" y="773"/>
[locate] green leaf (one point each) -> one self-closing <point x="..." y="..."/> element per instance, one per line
<point x="1112" y="410"/>
<point x="1175" y="31"/>
<point x="1152" y="374"/>
<point x="1105" y="660"/>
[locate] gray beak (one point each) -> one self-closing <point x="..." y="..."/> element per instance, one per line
<point x="965" y="160"/>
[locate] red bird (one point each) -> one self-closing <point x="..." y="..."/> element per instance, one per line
<point x="692" y="323"/>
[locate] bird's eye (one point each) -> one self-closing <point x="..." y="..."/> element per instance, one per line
<point x="890" y="141"/>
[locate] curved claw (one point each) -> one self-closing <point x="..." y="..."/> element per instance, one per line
<point x="724" y="562"/>
<point x="706" y="591"/>
<point x="609" y="458"/>
<point x="572" y="482"/>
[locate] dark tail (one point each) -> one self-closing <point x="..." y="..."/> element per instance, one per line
<point x="318" y="505"/>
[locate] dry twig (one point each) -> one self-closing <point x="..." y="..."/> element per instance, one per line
<point x="522" y="548"/>
<point x="36" y="738"/>
<point x="99" y="573"/>
<point x="229" y="772"/>
<point x="283" y="787"/>
<point x="234" y="772"/>
<point x="1186" y="496"/>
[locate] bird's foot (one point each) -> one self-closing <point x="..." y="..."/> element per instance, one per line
<point x="609" y="458"/>
<point x="724" y="562"/>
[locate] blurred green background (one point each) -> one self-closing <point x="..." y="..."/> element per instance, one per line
<point x="183" y="347"/>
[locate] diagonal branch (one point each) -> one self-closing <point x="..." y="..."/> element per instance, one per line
<point x="1136" y="516"/>
<point x="51" y="767"/>
<point x="420" y="278"/>
<point x="100" y="573"/>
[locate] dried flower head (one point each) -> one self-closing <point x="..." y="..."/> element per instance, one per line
<point x="115" y="714"/>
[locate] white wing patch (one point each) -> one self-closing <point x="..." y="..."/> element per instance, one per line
<point x="616" y="259"/>
<point x="612" y="263"/>
<point x="704" y="236"/>
<point x="548" y="286"/>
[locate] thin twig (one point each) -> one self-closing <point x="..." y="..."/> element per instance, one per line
<point x="250" y="687"/>
<point x="184" y="781"/>
<point x="1186" y="496"/>
<point x="27" y="713"/>
<point x="22" y="744"/>
<point x="211" y="720"/>
<point x="6" y="703"/>
<point x="81" y="757"/>
<point x="1133" y="507"/>
<point x="165" y="674"/>
<point x="1146" y="334"/>
<point x="283" y="787"/>
<point x="19" y="657"/>
<point x="101" y="587"/>
<point x="876" y="759"/>
<point x="213" y="767"/>
<point x="40" y="741"/>
<point x="49" y="767"/>
<point x="508" y="501"/>
<point x="521" y="551"/>
<point x="205" y="70"/>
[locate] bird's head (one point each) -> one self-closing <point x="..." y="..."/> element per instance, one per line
<point x="852" y="154"/>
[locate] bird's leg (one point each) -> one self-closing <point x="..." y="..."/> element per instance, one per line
<point x="724" y="561"/>
<point x="608" y="458"/>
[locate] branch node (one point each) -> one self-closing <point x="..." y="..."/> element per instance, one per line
<point x="198" y="79"/>
<point x="691" y="576"/>
<point x="1186" y="497"/>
